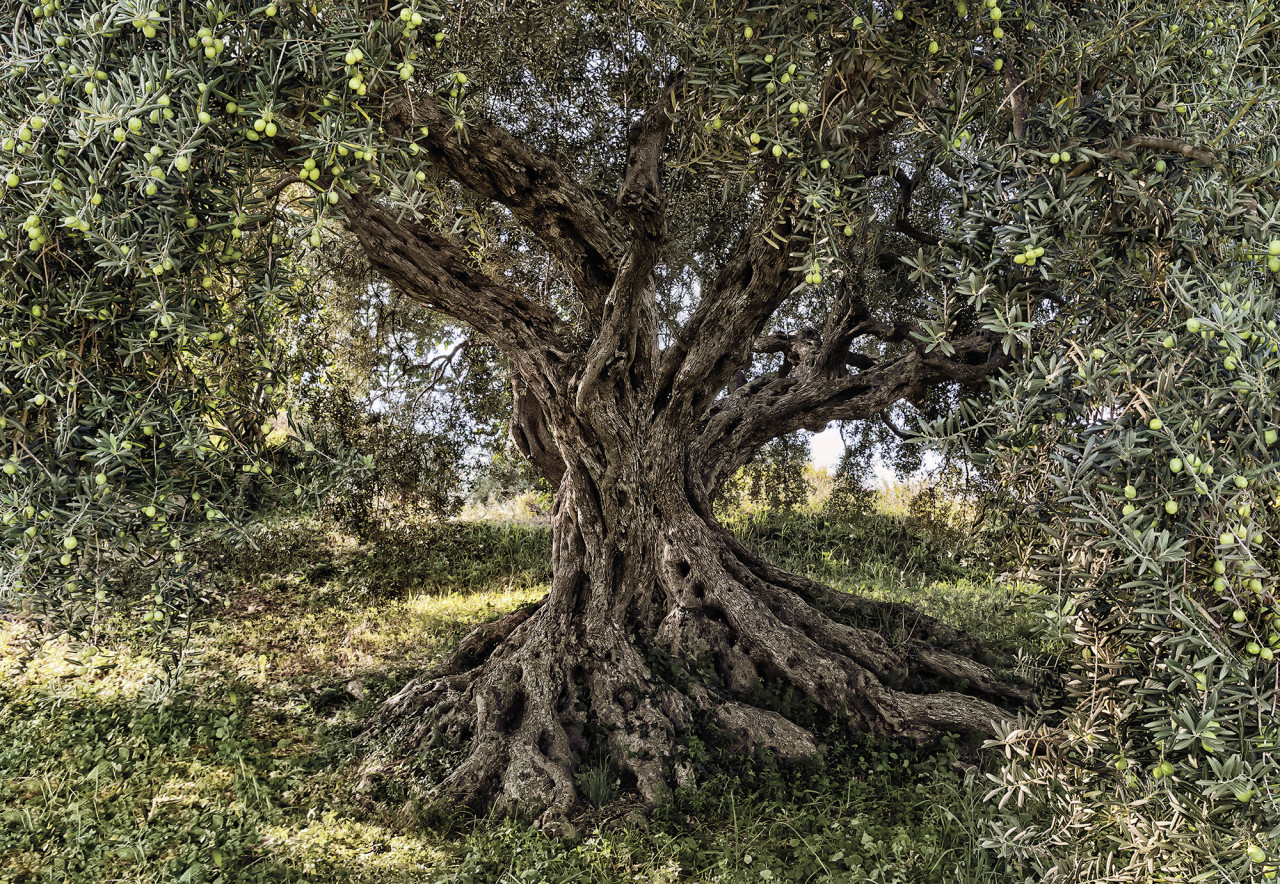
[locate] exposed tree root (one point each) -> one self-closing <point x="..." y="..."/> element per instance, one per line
<point x="535" y="696"/>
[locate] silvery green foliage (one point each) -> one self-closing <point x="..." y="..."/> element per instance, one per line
<point x="144" y="288"/>
<point x="1138" y="433"/>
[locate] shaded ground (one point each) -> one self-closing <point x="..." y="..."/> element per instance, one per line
<point x="244" y="770"/>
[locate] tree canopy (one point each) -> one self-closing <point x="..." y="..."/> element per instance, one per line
<point x="161" y="156"/>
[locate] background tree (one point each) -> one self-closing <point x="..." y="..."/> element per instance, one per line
<point x="687" y="229"/>
<point x="376" y="373"/>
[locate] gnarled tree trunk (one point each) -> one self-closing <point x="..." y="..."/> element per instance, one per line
<point x="659" y="623"/>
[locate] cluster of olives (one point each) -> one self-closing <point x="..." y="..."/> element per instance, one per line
<point x="1029" y="255"/>
<point x="204" y="38"/>
<point x="147" y="24"/>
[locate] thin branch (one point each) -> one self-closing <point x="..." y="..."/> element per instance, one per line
<point x="279" y="186"/>
<point x="797" y="348"/>
<point x="1017" y="98"/>
<point x="1152" y="142"/>
<point x="902" y="218"/>
<point x="893" y="428"/>
<point x="442" y="364"/>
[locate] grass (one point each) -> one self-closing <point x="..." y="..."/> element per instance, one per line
<point x="883" y="556"/>
<point x="244" y="769"/>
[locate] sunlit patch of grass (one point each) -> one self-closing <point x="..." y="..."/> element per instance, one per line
<point x="101" y="790"/>
<point x="410" y="633"/>
<point x="65" y="669"/>
<point x="332" y="846"/>
<point x="241" y="770"/>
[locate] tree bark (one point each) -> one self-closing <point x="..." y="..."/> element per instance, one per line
<point x="658" y="625"/>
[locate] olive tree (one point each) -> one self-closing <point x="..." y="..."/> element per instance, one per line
<point x="1144" y="463"/>
<point x="689" y="229"/>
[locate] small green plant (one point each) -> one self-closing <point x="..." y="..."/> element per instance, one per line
<point x="596" y="783"/>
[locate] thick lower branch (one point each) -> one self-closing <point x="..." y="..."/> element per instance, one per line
<point x="749" y="418"/>
<point x="433" y="269"/>
<point x="569" y="219"/>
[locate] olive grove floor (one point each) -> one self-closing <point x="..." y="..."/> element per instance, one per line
<point x="244" y="770"/>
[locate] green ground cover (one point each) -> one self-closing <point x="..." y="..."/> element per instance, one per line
<point x="244" y="769"/>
